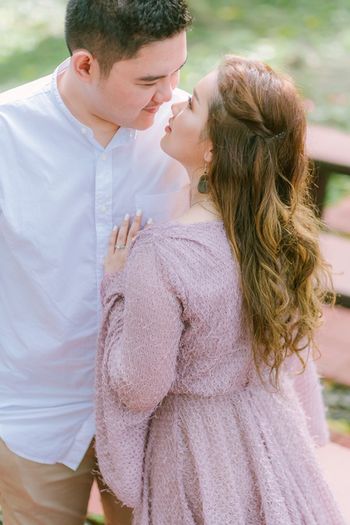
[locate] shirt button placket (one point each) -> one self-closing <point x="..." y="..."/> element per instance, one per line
<point x="103" y="208"/>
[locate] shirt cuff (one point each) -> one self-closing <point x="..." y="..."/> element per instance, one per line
<point x="112" y="284"/>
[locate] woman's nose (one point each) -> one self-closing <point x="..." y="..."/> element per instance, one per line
<point x="177" y="108"/>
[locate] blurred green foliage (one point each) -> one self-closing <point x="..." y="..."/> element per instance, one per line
<point x="337" y="398"/>
<point x="338" y="187"/>
<point x="309" y="40"/>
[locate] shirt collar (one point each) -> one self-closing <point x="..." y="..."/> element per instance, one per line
<point x="122" y="136"/>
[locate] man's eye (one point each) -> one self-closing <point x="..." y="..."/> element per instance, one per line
<point x="149" y="85"/>
<point x="190" y="102"/>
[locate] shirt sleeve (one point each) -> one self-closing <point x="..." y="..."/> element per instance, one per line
<point x="308" y="389"/>
<point x="143" y="335"/>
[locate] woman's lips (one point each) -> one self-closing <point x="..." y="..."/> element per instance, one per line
<point x="168" y="128"/>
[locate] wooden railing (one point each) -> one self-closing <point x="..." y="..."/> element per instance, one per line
<point x="329" y="150"/>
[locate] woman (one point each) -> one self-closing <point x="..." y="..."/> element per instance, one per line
<point x="206" y="322"/>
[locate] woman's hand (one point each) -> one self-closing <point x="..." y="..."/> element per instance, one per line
<point x="120" y="243"/>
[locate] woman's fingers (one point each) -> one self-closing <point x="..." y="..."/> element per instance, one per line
<point x="112" y="240"/>
<point x="120" y="242"/>
<point x="135" y="227"/>
<point x="123" y="233"/>
<point x="123" y="236"/>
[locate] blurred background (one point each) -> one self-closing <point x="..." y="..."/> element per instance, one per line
<point x="308" y="40"/>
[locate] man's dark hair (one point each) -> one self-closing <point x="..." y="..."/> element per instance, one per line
<point x="113" y="30"/>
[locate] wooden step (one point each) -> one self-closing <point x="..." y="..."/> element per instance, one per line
<point x="337" y="216"/>
<point x="329" y="147"/>
<point x="333" y="339"/>
<point x="336" y="250"/>
<point x="329" y="150"/>
<point x="335" y="463"/>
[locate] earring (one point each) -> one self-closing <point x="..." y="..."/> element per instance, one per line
<point x="203" y="182"/>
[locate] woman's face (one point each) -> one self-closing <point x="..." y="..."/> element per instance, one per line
<point x="185" y="139"/>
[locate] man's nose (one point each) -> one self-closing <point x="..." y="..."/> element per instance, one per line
<point x="164" y="92"/>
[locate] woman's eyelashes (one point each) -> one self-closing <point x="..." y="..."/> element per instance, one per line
<point x="189" y="104"/>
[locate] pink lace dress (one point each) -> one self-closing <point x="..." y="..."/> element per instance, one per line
<point x="186" y="432"/>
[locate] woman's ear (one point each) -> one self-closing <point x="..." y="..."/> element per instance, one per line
<point x="208" y="154"/>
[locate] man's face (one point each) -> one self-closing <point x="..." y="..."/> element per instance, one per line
<point x="135" y="88"/>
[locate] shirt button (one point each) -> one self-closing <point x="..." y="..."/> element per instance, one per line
<point x="103" y="156"/>
<point x="83" y="130"/>
<point x="103" y="209"/>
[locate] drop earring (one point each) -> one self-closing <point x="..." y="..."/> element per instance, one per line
<point x="203" y="182"/>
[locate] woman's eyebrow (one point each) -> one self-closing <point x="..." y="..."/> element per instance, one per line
<point x="152" y="78"/>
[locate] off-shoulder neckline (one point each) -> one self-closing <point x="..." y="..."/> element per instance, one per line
<point x="182" y="227"/>
<point x="201" y="223"/>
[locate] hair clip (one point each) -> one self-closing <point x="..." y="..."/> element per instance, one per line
<point x="279" y="135"/>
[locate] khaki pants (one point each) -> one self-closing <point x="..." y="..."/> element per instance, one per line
<point x="37" y="494"/>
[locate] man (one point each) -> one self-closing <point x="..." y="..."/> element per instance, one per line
<point x="79" y="150"/>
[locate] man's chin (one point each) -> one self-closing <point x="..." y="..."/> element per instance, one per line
<point x="145" y="121"/>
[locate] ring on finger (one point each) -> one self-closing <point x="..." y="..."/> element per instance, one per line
<point x="120" y="246"/>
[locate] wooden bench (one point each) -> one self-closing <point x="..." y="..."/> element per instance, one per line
<point x="329" y="150"/>
<point x="336" y="250"/>
<point x="333" y="340"/>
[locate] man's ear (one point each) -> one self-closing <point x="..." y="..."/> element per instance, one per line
<point x="84" y="65"/>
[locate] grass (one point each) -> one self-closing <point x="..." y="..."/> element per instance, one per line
<point x="310" y="41"/>
<point x="337" y="399"/>
<point x="92" y="519"/>
<point x="34" y="63"/>
<point x="338" y="187"/>
<point x="294" y="36"/>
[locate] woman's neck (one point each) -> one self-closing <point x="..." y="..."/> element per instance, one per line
<point x="200" y="202"/>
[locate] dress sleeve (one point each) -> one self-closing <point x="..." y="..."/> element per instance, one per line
<point x="143" y="336"/>
<point x="308" y="389"/>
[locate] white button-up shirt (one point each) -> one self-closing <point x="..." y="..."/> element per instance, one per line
<point x="60" y="195"/>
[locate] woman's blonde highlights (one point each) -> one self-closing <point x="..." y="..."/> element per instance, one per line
<point x="260" y="182"/>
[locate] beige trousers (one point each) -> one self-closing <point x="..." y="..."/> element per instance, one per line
<point x="37" y="494"/>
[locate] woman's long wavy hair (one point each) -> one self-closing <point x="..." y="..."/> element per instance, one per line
<point x="259" y="180"/>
